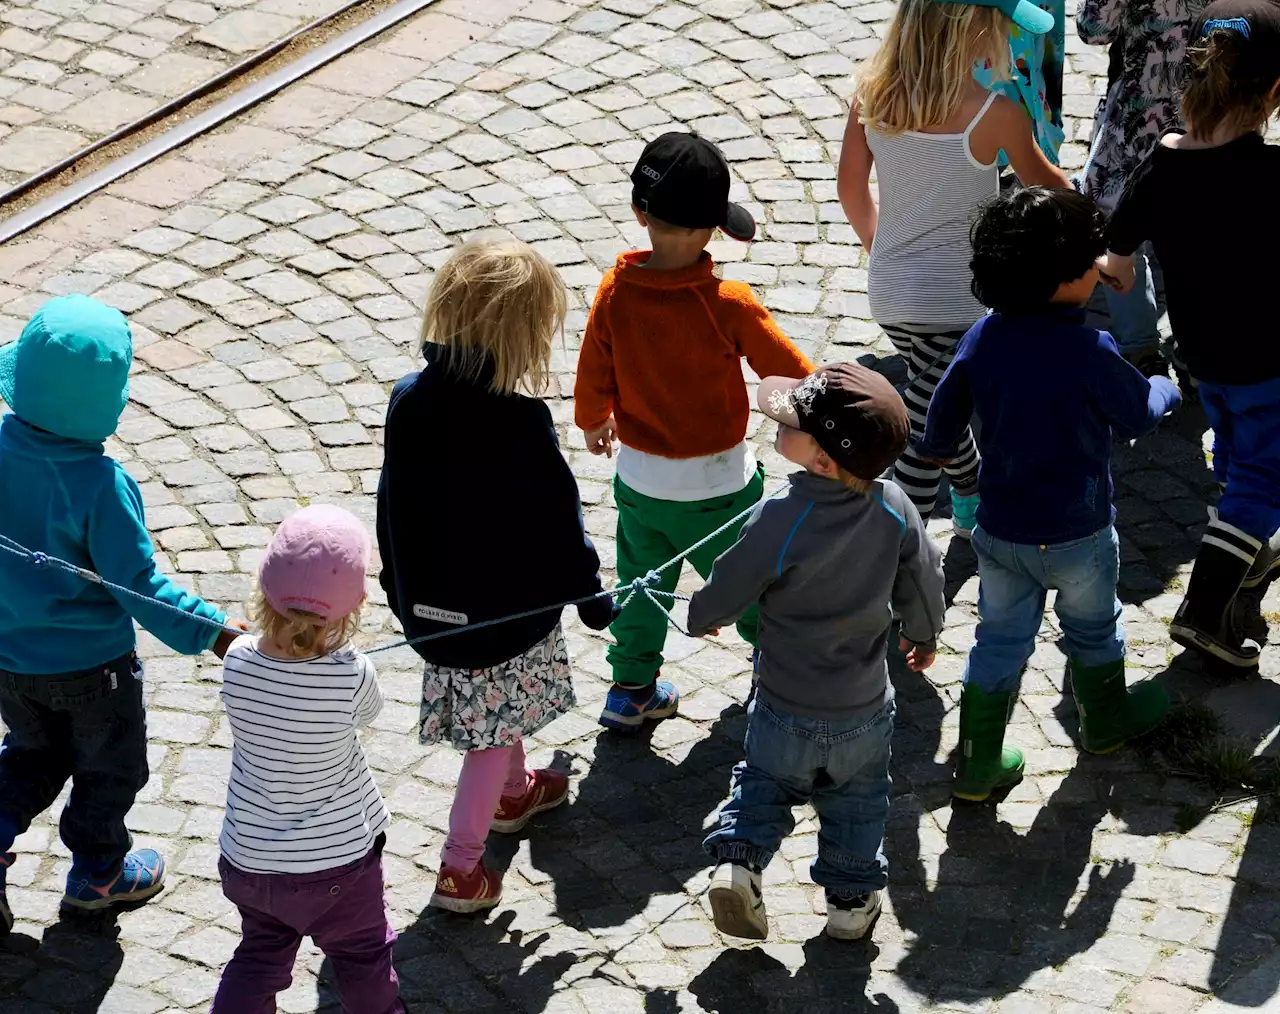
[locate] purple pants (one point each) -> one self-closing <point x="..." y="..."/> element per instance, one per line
<point x="341" y="910"/>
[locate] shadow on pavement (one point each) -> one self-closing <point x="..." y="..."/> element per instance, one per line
<point x="75" y="964"/>
<point x="834" y="977"/>
<point x="637" y="819"/>
<point x="998" y="910"/>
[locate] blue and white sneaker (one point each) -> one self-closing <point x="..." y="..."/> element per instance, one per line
<point x="627" y="710"/>
<point x="7" y="859"/>
<point x="964" y="514"/>
<point x="141" y="875"/>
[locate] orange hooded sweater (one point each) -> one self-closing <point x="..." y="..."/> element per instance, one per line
<point x="662" y="352"/>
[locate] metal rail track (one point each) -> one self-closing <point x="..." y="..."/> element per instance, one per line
<point x="237" y="102"/>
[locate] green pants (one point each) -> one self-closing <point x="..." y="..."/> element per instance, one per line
<point x="651" y="532"/>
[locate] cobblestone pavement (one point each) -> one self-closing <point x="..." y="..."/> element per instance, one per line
<point x="274" y="273"/>
<point x="72" y="71"/>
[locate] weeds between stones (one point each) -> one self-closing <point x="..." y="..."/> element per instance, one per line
<point x="1191" y="744"/>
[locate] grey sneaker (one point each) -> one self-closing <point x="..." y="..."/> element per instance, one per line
<point x="737" y="903"/>
<point x="852" y="919"/>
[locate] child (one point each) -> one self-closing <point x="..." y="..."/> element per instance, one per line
<point x="933" y="134"/>
<point x="1218" y="304"/>
<point x="478" y="518"/>
<point x="70" y="680"/>
<point x="305" y="825"/>
<point x="1050" y="394"/>
<point x="1148" y="40"/>
<point x="660" y="370"/>
<point x="824" y="563"/>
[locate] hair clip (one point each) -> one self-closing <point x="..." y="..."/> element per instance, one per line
<point x="1226" y="25"/>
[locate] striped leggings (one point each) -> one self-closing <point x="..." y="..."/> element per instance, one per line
<point x="928" y="355"/>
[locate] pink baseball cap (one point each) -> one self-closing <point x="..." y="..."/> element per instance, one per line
<point x="316" y="563"/>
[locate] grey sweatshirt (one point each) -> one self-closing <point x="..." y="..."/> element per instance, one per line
<point x="825" y="564"/>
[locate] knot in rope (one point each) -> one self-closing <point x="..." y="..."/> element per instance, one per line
<point x="642" y="584"/>
<point x="39" y="560"/>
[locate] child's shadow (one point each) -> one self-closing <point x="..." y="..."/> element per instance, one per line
<point x="495" y="975"/>
<point x="834" y="977"/>
<point x="996" y="909"/>
<point x="77" y="960"/>
<point x="635" y="827"/>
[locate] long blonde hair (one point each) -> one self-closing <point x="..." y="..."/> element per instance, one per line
<point x="921" y="73"/>
<point x="497" y="302"/>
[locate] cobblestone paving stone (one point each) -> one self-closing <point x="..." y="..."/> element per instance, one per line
<point x="273" y="273"/>
<point x="72" y="71"/>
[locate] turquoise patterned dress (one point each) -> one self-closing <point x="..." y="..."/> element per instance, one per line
<point x="1036" y="65"/>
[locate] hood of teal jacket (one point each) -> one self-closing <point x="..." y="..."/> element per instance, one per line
<point x="68" y="373"/>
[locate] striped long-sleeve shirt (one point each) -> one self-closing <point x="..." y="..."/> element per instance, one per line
<point x="301" y="796"/>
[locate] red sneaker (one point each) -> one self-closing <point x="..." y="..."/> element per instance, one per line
<point x="467" y="892"/>
<point x="547" y="790"/>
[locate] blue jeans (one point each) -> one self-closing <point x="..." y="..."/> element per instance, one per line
<point x="1014" y="581"/>
<point x="1246" y="453"/>
<point x="89" y="727"/>
<point x="840" y="765"/>
<point x="1134" y="315"/>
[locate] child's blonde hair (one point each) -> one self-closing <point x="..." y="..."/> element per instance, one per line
<point x="307" y="635"/>
<point x="1220" y="90"/>
<point x="853" y="483"/>
<point x="922" y="71"/>
<point x="501" y="302"/>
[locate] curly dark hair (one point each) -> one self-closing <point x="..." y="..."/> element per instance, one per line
<point x="1028" y="242"/>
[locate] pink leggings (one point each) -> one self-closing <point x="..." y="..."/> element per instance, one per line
<point x="487" y="775"/>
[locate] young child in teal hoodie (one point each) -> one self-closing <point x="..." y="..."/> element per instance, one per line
<point x="70" y="679"/>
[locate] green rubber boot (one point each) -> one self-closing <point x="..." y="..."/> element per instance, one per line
<point x="1110" y="713"/>
<point x="985" y="764"/>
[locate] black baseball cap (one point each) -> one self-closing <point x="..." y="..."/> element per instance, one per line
<point x="683" y="179"/>
<point x="1256" y="21"/>
<point x="855" y="415"/>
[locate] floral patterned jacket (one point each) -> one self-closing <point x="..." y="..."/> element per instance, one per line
<point x="1148" y="40"/>
<point x="1036" y="82"/>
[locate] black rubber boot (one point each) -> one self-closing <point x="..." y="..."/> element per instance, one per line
<point x="1203" y="622"/>
<point x="1246" y="616"/>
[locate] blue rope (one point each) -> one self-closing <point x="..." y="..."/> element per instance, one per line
<point x="642" y="586"/>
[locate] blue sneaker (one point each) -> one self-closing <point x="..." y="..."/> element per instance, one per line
<point x="7" y="859"/>
<point x="964" y="514"/>
<point x="627" y="710"/>
<point x="140" y="876"/>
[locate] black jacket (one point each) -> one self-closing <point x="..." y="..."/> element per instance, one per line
<point x="478" y="518"/>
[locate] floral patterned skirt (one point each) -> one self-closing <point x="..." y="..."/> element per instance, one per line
<point x="479" y="709"/>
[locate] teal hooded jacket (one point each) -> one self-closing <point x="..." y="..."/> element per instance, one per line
<point x="66" y="380"/>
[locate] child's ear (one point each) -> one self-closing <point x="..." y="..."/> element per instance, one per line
<point x="825" y="467"/>
<point x="640" y="216"/>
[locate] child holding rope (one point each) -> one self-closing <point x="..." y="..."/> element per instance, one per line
<point x="824" y="562"/>
<point x="1218" y="305"/>
<point x="479" y="519"/>
<point x="305" y="823"/>
<point x="661" y="371"/>
<point x="934" y="134"/>
<point x="71" y="691"/>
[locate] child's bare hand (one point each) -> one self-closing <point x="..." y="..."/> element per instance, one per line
<point x="713" y="632"/>
<point x="227" y="637"/>
<point x="1116" y="272"/>
<point x="919" y="658"/>
<point x="600" y="441"/>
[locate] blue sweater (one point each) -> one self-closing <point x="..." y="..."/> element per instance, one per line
<point x="66" y="498"/>
<point x="1050" y="394"/>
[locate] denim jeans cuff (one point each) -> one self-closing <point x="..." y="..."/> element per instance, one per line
<point x="738" y="851"/>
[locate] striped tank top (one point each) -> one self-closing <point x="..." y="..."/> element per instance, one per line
<point x="930" y="189"/>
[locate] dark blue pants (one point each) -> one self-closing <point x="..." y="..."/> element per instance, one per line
<point x="1246" y="453"/>
<point x="839" y="765"/>
<point x="89" y="727"/>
